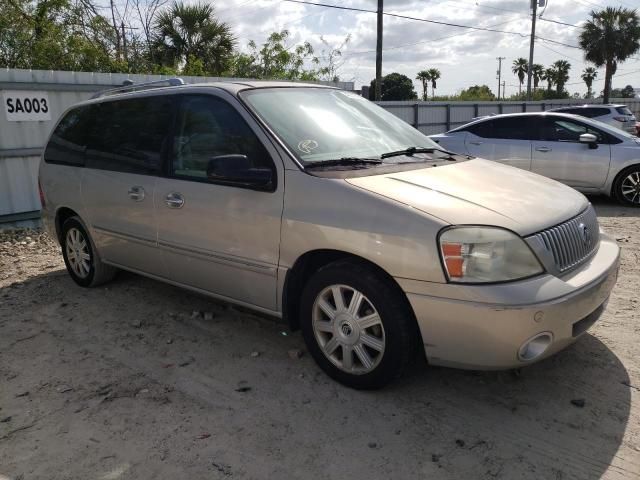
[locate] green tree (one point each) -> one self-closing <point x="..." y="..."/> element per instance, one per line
<point x="424" y="77"/>
<point x="55" y="35"/>
<point x="589" y="74"/>
<point x="537" y="73"/>
<point x="520" y="68"/>
<point x="186" y="32"/>
<point x="434" y="76"/>
<point x="277" y="60"/>
<point x="561" y="68"/>
<point x="477" y="92"/>
<point x="609" y="38"/>
<point x="550" y="75"/>
<point x="395" y="86"/>
<point x="626" y="92"/>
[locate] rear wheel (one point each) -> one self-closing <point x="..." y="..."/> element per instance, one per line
<point x="627" y="187"/>
<point x="83" y="264"/>
<point x="357" y="325"/>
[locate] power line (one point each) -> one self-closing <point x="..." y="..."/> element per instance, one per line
<point x="429" y="40"/>
<point x="520" y="11"/>
<point x="425" y="20"/>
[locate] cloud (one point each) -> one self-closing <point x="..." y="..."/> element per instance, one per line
<point x="464" y="57"/>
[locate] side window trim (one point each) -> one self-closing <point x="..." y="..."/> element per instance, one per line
<point x="168" y="160"/>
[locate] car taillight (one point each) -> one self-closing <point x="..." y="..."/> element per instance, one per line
<point x="41" y="192"/>
<point x="620" y="119"/>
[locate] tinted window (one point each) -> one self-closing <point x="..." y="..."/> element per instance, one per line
<point x="208" y="127"/>
<point x="69" y="139"/>
<point x="589" y="112"/>
<point x="566" y="130"/>
<point x="624" y="111"/>
<point x="130" y="135"/>
<point x="573" y="111"/>
<point x="510" y="128"/>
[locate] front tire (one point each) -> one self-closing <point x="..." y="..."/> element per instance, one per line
<point x="80" y="257"/>
<point x="626" y="188"/>
<point x="357" y="325"/>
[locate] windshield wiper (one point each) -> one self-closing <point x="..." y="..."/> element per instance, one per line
<point x="410" y="151"/>
<point x="345" y="161"/>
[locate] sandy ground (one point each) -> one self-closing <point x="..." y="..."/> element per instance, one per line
<point x="124" y="381"/>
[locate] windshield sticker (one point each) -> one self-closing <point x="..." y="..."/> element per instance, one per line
<point x="306" y="146"/>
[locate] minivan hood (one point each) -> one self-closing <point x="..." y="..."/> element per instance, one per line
<point x="481" y="192"/>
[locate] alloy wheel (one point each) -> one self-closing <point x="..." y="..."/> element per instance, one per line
<point x="77" y="250"/>
<point x="630" y="187"/>
<point x="348" y="329"/>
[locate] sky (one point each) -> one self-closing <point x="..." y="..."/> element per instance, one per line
<point x="464" y="57"/>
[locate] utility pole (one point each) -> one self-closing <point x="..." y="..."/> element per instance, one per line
<point x="534" y="6"/>
<point x="499" y="73"/>
<point x="124" y="43"/>
<point x="504" y="85"/>
<point x="378" y="92"/>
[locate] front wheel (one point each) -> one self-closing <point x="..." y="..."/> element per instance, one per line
<point x="357" y="325"/>
<point x="627" y="187"/>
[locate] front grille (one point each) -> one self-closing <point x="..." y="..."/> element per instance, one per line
<point x="573" y="241"/>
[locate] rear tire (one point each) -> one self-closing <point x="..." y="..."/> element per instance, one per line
<point x="357" y="325"/>
<point x="80" y="256"/>
<point x="626" y="188"/>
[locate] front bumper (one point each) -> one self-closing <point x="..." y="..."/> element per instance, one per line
<point x="483" y="327"/>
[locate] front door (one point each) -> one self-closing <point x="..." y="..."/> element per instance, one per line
<point x="124" y="156"/>
<point x="503" y="139"/>
<point x="560" y="155"/>
<point x="214" y="235"/>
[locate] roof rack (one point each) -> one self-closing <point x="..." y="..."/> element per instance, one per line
<point x="129" y="86"/>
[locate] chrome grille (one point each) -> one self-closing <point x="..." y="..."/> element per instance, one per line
<point x="573" y="241"/>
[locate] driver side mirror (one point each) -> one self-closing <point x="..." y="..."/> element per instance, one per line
<point x="590" y="139"/>
<point x="237" y="170"/>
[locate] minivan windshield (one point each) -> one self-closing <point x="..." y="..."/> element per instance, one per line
<point x="322" y="125"/>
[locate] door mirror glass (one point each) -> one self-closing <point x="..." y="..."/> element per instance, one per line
<point x="237" y="169"/>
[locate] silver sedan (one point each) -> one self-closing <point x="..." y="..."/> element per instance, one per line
<point x="585" y="154"/>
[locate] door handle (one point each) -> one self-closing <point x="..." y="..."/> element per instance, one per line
<point x="475" y="143"/>
<point x="136" y="193"/>
<point x="543" y="149"/>
<point x="174" y="200"/>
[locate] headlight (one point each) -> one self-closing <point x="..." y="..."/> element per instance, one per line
<point x="486" y="254"/>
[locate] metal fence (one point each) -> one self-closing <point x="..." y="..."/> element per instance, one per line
<point x="437" y="117"/>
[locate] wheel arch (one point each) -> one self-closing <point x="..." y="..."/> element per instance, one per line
<point x="62" y="214"/>
<point x="309" y="263"/>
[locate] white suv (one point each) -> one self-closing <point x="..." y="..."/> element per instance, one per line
<point x="618" y="116"/>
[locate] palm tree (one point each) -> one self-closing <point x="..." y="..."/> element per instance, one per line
<point x="550" y="76"/>
<point x="190" y="33"/>
<point x="589" y="74"/>
<point x="562" y="68"/>
<point x="520" y="68"/>
<point x="434" y="76"/>
<point x="425" y="77"/>
<point x="610" y="37"/>
<point x="537" y="72"/>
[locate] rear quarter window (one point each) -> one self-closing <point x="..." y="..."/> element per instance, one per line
<point x="624" y="111"/>
<point x="68" y="141"/>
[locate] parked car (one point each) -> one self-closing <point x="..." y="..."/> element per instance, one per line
<point x="618" y="116"/>
<point x="587" y="155"/>
<point x="315" y="205"/>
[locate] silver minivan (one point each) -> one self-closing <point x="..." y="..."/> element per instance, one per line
<point x="315" y="205"/>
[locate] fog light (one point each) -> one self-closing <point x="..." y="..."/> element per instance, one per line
<point x="535" y="346"/>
